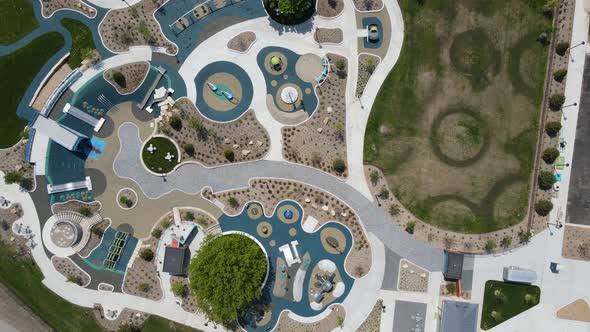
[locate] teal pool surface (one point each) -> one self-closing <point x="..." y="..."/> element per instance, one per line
<point x="310" y="101"/>
<point x="100" y="253"/>
<point x="308" y="243"/>
<point x="370" y="21"/>
<point x="242" y="104"/>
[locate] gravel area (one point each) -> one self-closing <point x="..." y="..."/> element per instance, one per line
<point x="373" y="322"/>
<point x="125" y="27"/>
<point x="368" y="5"/>
<point x="270" y="192"/>
<point x="142" y="272"/>
<point x="330" y="36"/>
<point x="189" y="302"/>
<point x="130" y="198"/>
<point x="329" y="323"/>
<point x="576" y="242"/>
<point x="75" y="206"/>
<point x="7" y="218"/>
<point x="246" y="137"/>
<point x="412" y="278"/>
<point x="329" y="8"/>
<point x="51" y="6"/>
<point x="197" y="216"/>
<point x="132" y="317"/>
<point x="70" y="270"/>
<point x="321" y="140"/>
<point x="468" y="243"/>
<point x="11" y="159"/>
<point x="95" y="239"/>
<point x="242" y="42"/>
<point x="134" y="73"/>
<point x="367" y="65"/>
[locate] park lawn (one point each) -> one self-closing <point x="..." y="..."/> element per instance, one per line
<point x="18" y="20"/>
<point x="81" y="40"/>
<point x="17" y="71"/>
<point x="508" y="304"/>
<point x="156" y="162"/>
<point x="159" y="324"/>
<point x="480" y="57"/>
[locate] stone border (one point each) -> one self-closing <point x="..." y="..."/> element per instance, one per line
<point x="134" y="203"/>
<point x="104" y="284"/>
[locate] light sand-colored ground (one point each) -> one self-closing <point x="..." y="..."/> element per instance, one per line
<point x="412" y="278"/>
<point x="329" y="323"/>
<point x="577" y="310"/>
<point x="308" y="67"/>
<point x="242" y="42"/>
<point x="222" y="104"/>
<point x="373" y="322"/>
<point x="50" y="85"/>
<point x="328" y="36"/>
<point x="135" y="73"/>
<point x="576" y="242"/>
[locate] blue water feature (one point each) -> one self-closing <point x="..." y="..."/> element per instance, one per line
<point x="236" y="71"/>
<point x="308" y="243"/>
<point x="201" y="29"/>
<point x="98" y="146"/>
<point x="310" y="101"/>
<point x="100" y="253"/>
<point x="373" y="21"/>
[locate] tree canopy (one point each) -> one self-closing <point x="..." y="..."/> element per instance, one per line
<point x="290" y="12"/>
<point x="226" y="275"/>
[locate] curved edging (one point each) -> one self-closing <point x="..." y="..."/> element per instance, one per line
<point x="138" y="86"/>
<point x="76" y="265"/>
<point x="178" y="152"/>
<point x="249" y="46"/>
<point x="70" y="9"/>
<point x="134" y="203"/>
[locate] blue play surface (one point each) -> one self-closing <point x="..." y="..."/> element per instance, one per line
<point x="308" y="243"/>
<point x="97" y="256"/>
<point x="97" y="148"/>
<point x="370" y="21"/>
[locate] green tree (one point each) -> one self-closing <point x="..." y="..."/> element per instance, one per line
<point x="506" y="242"/>
<point x="189" y="149"/>
<point x="222" y="294"/>
<point x="546" y="180"/>
<point x="451" y="287"/>
<point x="410" y="226"/>
<point x="556" y="101"/>
<point x="384" y="193"/>
<point x="339" y="127"/>
<point x="490" y="245"/>
<point x="177" y="289"/>
<point x="143" y="28"/>
<point x="552" y="128"/>
<point x="340" y="64"/>
<point x="85" y="211"/>
<point x="559" y="75"/>
<point x="97" y="231"/>
<point x="233" y="202"/>
<point x="561" y="48"/>
<point x="339" y="166"/>
<point x="543" y="207"/>
<point x="13" y="177"/>
<point x="374" y="176"/>
<point x="165" y="223"/>
<point x="196" y="123"/>
<point x="157" y="233"/>
<point x="550" y="154"/>
<point x="339" y="320"/>
<point x="189" y="216"/>
<point x="229" y="155"/>
<point x="146" y="254"/>
<point x="175" y="122"/>
<point x="119" y="78"/>
<point x="524" y="236"/>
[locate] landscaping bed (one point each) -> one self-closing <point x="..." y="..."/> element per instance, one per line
<point x="156" y="161"/>
<point x="328" y="36"/>
<point x="242" y="42"/>
<point x="128" y="77"/>
<point x="141" y="277"/>
<point x="71" y="271"/>
<point x="17" y="71"/>
<point x="95" y="237"/>
<point x="127" y="198"/>
<point x="320" y="141"/>
<point x="51" y="6"/>
<point x="331" y="322"/>
<point x="502" y="301"/>
<point x="214" y="143"/>
<point x="373" y="322"/>
<point x="367" y="65"/>
<point x="330" y="8"/>
<point x="322" y="206"/>
<point x="11" y="159"/>
<point x="368" y="5"/>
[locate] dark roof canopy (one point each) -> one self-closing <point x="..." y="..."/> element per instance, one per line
<point x="176" y="260"/>
<point x="453" y="267"/>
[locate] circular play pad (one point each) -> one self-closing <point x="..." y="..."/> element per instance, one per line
<point x="224" y="91"/>
<point x="289" y="95"/>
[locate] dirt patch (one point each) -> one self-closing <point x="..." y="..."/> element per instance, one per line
<point x="242" y="42"/>
<point x="142" y="272"/>
<point x="329" y="8"/>
<point x="245" y="137"/>
<point x="11" y="159"/>
<point x="368" y="5"/>
<point x="576" y="243"/>
<point x="373" y="322"/>
<point x="71" y="271"/>
<point x="412" y="278"/>
<point x="133" y="26"/>
<point x="328" y="36"/>
<point x="321" y="205"/>
<point x="50" y="85"/>
<point x="367" y="65"/>
<point x="577" y="310"/>
<point x="329" y="323"/>
<point x="127" y="78"/>
<point x="50" y="7"/>
<point x="95" y="237"/>
<point x="131" y="317"/>
<point x="321" y="140"/>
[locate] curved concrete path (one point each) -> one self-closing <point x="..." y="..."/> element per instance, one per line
<point x="191" y="178"/>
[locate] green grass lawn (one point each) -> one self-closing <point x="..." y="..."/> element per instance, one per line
<point x="480" y="56"/>
<point x="23" y="278"/>
<point x="17" y="70"/>
<point x="18" y="19"/>
<point x="502" y="301"/>
<point x="82" y="39"/>
<point x="156" y="162"/>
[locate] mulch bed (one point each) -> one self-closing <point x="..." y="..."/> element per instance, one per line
<point x="330" y="8"/>
<point x="242" y="42"/>
<point x="134" y="74"/>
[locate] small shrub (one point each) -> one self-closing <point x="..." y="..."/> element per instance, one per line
<point x="506" y="242"/>
<point x="339" y="166"/>
<point x="341" y="64"/>
<point x="85" y="211"/>
<point x="561" y="48"/>
<point x="166" y="223"/>
<point x="157" y="233"/>
<point x="175" y="122"/>
<point x="177" y="289"/>
<point x="543" y="207"/>
<point x="490" y="245"/>
<point x="72" y="278"/>
<point x="552" y="128"/>
<point x="97" y="231"/>
<point x="556" y="101"/>
<point x="119" y="78"/>
<point x="384" y="193"/>
<point x="13" y="177"/>
<point x="451" y="287"/>
<point x="143" y="287"/>
<point x="394" y="210"/>
<point x="196" y="123"/>
<point x="550" y="154"/>
<point x="559" y="75"/>
<point x="229" y="155"/>
<point x="410" y="226"/>
<point x="339" y="320"/>
<point x="189" y="149"/>
<point x="189" y="216"/>
<point x="374" y="176"/>
<point x="146" y="254"/>
<point x="546" y="180"/>
<point x="524" y="236"/>
<point x="233" y="202"/>
<point x="125" y="201"/>
<point x="5" y="225"/>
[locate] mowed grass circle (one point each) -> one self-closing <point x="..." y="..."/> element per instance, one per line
<point x="156" y="162"/>
<point x="459" y="137"/>
<point x="474" y="55"/>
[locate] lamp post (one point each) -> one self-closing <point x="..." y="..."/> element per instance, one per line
<point x="566" y="106"/>
<point x="579" y="44"/>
